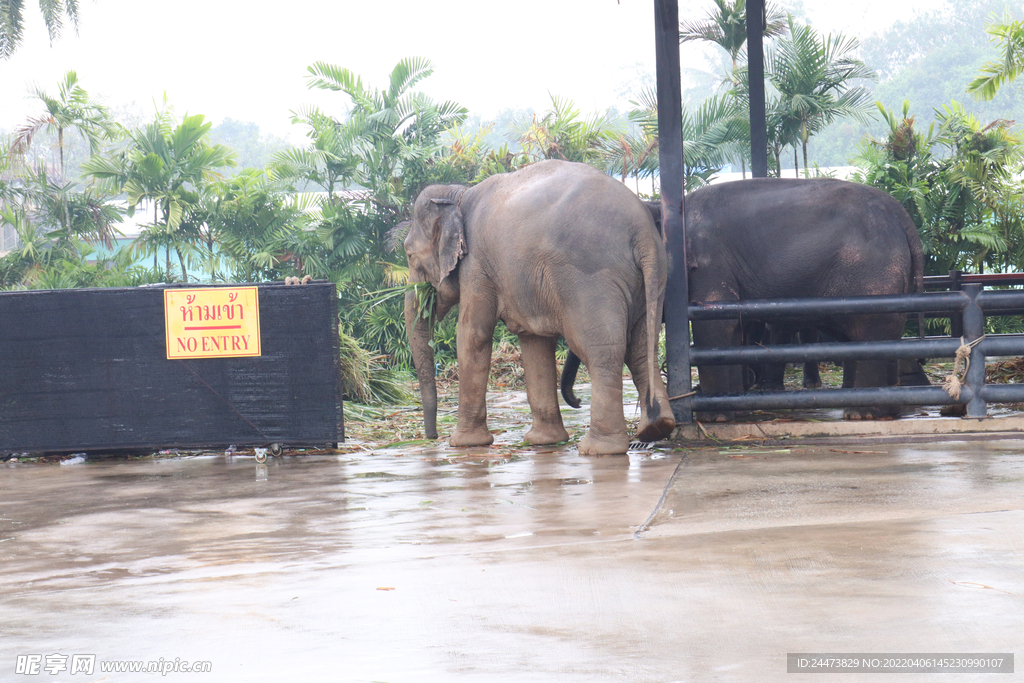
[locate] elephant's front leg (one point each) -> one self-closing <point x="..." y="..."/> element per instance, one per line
<point x="474" y="339"/>
<point x="542" y="389"/>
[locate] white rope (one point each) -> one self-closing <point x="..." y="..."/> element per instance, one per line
<point x="961" y="365"/>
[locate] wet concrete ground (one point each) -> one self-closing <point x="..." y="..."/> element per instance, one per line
<point x="511" y="564"/>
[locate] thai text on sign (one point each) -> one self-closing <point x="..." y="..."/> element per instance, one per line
<point x="221" y="322"/>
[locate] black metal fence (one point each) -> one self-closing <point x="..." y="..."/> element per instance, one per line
<point x="88" y="370"/>
<point x="966" y="309"/>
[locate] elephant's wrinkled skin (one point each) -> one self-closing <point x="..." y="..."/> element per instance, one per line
<point x="555" y="249"/>
<point x="784" y="238"/>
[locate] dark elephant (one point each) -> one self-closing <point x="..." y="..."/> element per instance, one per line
<point x="555" y="249"/>
<point x="792" y="238"/>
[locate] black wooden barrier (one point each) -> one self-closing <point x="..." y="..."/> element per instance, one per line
<point x="968" y="306"/>
<point x="87" y="370"/>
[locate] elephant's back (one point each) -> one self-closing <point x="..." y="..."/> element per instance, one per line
<point x="563" y="207"/>
<point x="776" y="229"/>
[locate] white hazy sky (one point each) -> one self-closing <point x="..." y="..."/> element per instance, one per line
<point x="247" y="60"/>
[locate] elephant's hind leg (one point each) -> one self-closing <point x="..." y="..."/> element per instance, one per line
<point x="542" y="390"/>
<point x="607" y="433"/>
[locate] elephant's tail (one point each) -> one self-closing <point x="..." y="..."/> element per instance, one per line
<point x="654" y="265"/>
<point x="569" y="370"/>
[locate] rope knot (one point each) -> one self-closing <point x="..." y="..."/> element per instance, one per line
<point x="955" y="382"/>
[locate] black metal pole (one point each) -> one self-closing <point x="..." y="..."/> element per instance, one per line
<point x="670" y="155"/>
<point x="755" y="69"/>
<point x="974" y="329"/>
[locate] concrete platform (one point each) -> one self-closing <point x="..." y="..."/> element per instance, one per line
<point x="512" y="564"/>
<point x="830" y="425"/>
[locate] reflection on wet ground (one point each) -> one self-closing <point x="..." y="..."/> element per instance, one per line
<point x="515" y="564"/>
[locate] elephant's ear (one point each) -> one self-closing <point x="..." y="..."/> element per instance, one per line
<point x="451" y="244"/>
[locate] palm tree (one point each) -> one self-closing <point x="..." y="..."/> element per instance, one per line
<point x="72" y="108"/>
<point x="813" y="75"/>
<point x="11" y="21"/>
<point x="727" y="27"/>
<point x="994" y="74"/>
<point x="330" y="162"/>
<point x="710" y="135"/>
<point x="391" y="130"/>
<point x="165" y="162"/>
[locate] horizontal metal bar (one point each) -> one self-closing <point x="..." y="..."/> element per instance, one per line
<point x="935" y="347"/>
<point x="990" y="279"/>
<point x="843" y="398"/>
<point x="833" y="398"/>
<point x="934" y="302"/>
<point x="1002" y="345"/>
<point x="1003" y="393"/>
<point x="1000" y="300"/>
<point x="802" y="353"/>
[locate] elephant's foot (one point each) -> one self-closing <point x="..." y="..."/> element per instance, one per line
<point x="660" y="429"/>
<point x="603" y="445"/>
<point x="812" y="384"/>
<point x="872" y="413"/>
<point x="771" y="386"/>
<point x="464" y="438"/>
<point x="545" y="434"/>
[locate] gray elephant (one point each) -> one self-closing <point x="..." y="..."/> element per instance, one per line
<point x="784" y="238"/>
<point x="555" y="249"/>
<point x="790" y="238"/>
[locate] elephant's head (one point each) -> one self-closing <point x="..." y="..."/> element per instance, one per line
<point x="433" y="247"/>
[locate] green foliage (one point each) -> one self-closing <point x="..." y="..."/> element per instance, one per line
<point x="71" y="109"/>
<point x="813" y="76"/>
<point x="252" y="230"/>
<point x="165" y="162"/>
<point x="562" y="134"/>
<point x="391" y="145"/>
<point x="957" y="183"/>
<point x="726" y="26"/>
<point x="12" y="21"/>
<point x="1010" y="36"/>
<point x="367" y="380"/>
<point x="716" y="129"/>
<point x="928" y="59"/>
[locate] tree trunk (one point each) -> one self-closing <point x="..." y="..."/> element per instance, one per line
<point x="181" y="261"/>
<point x="796" y="161"/>
<point x="421" y="333"/>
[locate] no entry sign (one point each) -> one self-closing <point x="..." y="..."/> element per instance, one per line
<point x="222" y="322"/>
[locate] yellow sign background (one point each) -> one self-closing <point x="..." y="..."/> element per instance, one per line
<point x="220" y="322"/>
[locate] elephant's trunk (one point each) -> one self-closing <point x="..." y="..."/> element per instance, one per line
<point x="421" y="333"/>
